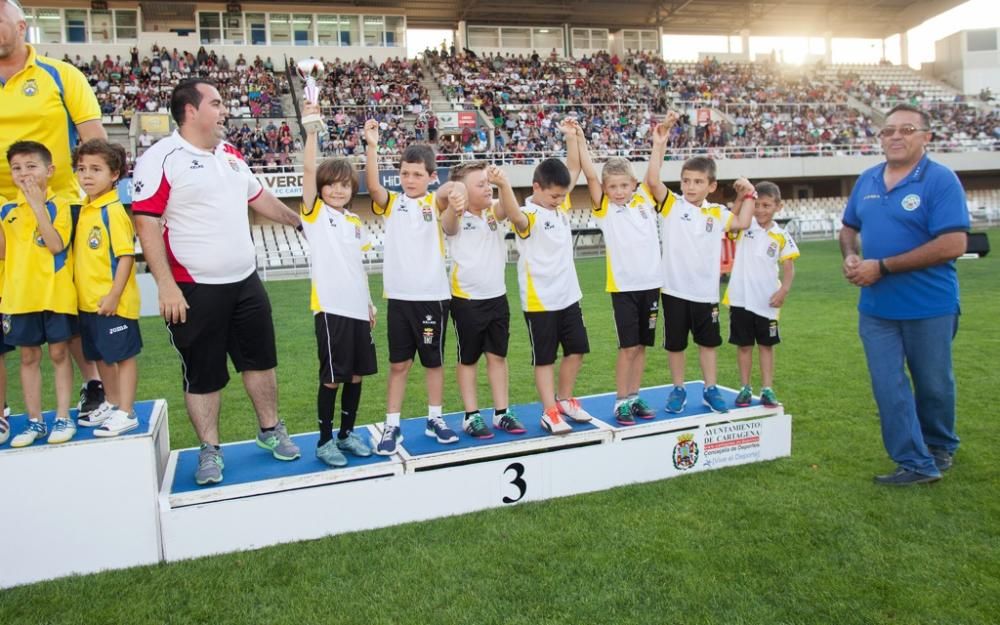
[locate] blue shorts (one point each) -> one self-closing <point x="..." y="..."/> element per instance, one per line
<point x="37" y="328"/>
<point x="111" y="339"/>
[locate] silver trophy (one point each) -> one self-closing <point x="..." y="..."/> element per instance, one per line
<point x="311" y="71"/>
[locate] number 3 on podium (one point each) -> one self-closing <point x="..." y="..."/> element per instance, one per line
<point x="518" y="481"/>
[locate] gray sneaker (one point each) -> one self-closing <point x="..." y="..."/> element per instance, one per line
<point x="330" y="454"/>
<point x="354" y="445"/>
<point x="209" y="465"/>
<point x="278" y="443"/>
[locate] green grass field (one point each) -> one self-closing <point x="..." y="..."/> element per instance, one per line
<point x="806" y="539"/>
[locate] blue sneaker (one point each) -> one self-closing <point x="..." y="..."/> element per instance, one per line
<point x="438" y="429"/>
<point x="713" y="399"/>
<point x="391" y="437"/>
<point x="677" y="400"/>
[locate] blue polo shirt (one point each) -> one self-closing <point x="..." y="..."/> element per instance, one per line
<point x="927" y="203"/>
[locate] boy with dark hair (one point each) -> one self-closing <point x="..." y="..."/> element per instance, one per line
<point x="343" y="313"/>
<point x="415" y="282"/>
<point x="39" y="299"/>
<point x="550" y="290"/>
<point x="755" y="293"/>
<point x="691" y="230"/>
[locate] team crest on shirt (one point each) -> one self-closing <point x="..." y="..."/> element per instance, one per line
<point x="30" y="88"/>
<point x="709" y="224"/>
<point x="94" y="238"/>
<point x="772" y="249"/>
<point x="234" y="163"/>
<point x="426" y="211"/>
<point x="357" y="232"/>
<point x="643" y="212"/>
<point x="39" y="241"/>
<point x="491" y="222"/>
<point x="911" y="202"/>
<point x="685" y="453"/>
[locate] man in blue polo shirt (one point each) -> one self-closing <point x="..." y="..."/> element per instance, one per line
<point x="911" y="214"/>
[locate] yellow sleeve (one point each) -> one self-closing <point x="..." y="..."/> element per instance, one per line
<point x="600" y="210"/>
<point x="527" y="231"/>
<point x="310" y="215"/>
<point x="668" y="202"/>
<point x="121" y="230"/>
<point x="81" y="103"/>
<point x="646" y="193"/>
<point x="386" y="210"/>
<point x="566" y="204"/>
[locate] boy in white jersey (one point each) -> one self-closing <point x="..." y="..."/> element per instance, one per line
<point x="626" y="216"/>
<point x="478" y="292"/>
<point x="415" y="281"/>
<point x="691" y="230"/>
<point x="755" y="293"/>
<point x="550" y="291"/>
<point x="343" y="313"/>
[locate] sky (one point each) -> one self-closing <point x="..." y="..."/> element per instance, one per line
<point x="970" y="15"/>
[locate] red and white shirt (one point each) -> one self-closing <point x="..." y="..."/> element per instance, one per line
<point x="202" y="197"/>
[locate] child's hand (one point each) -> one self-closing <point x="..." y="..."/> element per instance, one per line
<point x="33" y="188"/>
<point x="495" y="175"/>
<point x="568" y="126"/>
<point x="107" y="305"/>
<point x="372" y="312"/>
<point x="743" y="187"/>
<point x="778" y="298"/>
<point x="371" y="132"/>
<point x="661" y="133"/>
<point x="310" y="109"/>
<point x="457" y="199"/>
<point x="671" y="119"/>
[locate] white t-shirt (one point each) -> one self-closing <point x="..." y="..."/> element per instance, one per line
<point x="755" y="270"/>
<point x="691" y="244"/>
<point x="414" y="249"/>
<point x="478" y="256"/>
<point x="546" y="273"/>
<point x="336" y="244"/>
<point x="202" y="197"/>
<point x="632" y="245"/>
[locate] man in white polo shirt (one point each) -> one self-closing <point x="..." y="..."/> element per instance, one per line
<point x="205" y="268"/>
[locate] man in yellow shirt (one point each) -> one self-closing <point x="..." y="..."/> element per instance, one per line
<point x="50" y="102"/>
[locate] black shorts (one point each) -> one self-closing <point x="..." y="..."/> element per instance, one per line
<point x="681" y="316"/>
<point x="481" y="325"/>
<point x="111" y="339"/>
<point x="37" y="328"/>
<point x="346" y="348"/>
<point x="233" y="319"/>
<point x="746" y="328"/>
<point x="635" y="314"/>
<point x="417" y="328"/>
<point x="547" y="330"/>
<point x="4" y="347"/>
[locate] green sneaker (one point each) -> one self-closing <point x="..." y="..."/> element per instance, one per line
<point x="508" y="422"/>
<point x="279" y="443"/>
<point x="475" y="427"/>
<point x="768" y="399"/>
<point x="354" y="446"/>
<point x="623" y="413"/>
<point x="330" y="454"/>
<point x="745" y="397"/>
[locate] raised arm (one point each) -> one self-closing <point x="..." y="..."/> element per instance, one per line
<point x="507" y="205"/>
<point x="458" y="199"/>
<point x="746" y="197"/>
<point x="568" y="127"/>
<point x="660" y="136"/>
<point x="378" y="193"/>
<point x="589" y="170"/>
<point x="309" y="190"/>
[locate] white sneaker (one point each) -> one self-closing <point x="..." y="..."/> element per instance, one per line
<point x="34" y="431"/>
<point x="4" y="430"/>
<point x="96" y="416"/>
<point x="63" y="431"/>
<point x="117" y="422"/>
<point x="553" y="423"/>
<point x="571" y="408"/>
<point x="6" y="411"/>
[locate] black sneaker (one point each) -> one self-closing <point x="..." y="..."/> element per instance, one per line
<point x="942" y="459"/>
<point x="905" y="477"/>
<point x="91" y="397"/>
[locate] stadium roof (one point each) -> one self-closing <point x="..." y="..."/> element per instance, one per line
<point x="841" y="18"/>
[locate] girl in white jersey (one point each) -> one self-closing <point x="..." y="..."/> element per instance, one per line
<point x="342" y="309"/>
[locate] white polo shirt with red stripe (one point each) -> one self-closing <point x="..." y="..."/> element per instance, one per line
<point x="202" y="197"/>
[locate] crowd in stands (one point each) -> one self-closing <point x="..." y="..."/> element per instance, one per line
<point x="144" y="82"/>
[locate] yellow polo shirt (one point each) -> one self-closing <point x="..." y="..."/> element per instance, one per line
<point x="36" y="279"/>
<point x="44" y="102"/>
<point x="104" y="233"/>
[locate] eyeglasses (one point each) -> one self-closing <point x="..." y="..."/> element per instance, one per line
<point x="905" y="130"/>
